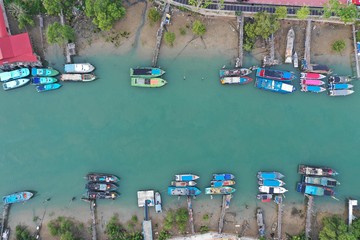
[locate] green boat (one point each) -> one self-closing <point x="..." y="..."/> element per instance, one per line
<point x="44" y="72"/>
<point x="148" y="82"/>
<point x="146" y="72"/>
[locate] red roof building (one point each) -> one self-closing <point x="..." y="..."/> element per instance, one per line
<point x="356" y="2"/>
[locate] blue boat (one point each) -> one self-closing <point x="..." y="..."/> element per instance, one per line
<point x="310" y="88"/>
<point x="339" y="86"/>
<point x="269" y="175"/>
<point x="15" y="74"/>
<point x="44" y="72"/>
<point x="48" y="87"/>
<point x="17" y="197"/>
<point x="223" y="177"/>
<point x="271" y="182"/>
<point x="183" y="191"/>
<point x="278" y="75"/>
<point x="42" y="80"/>
<point x="186" y="177"/>
<point x="79" y="68"/>
<point x="314" y="190"/>
<point x="275" y="86"/>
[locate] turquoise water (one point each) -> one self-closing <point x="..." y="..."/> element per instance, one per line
<point x="145" y="136"/>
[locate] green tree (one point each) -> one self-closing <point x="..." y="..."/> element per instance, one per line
<point x="164" y="235"/>
<point x="104" y="12"/>
<point x="181" y="219"/>
<point x="198" y="28"/>
<point x="65" y="228"/>
<point x="200" y="3"/>
<point x="204" y="229"/>
<point x="22" y="233"/>
<point x="21" y="14"/>
<point x="338" y="46"/>
<point x="281" y="12"/>
<point x="347" y="13"/>
<point x="169" y="38"/>
<point x="303" y="13"/>
<point x="56" y="33"/>
<point x="54" y="7"/>
<point x="154" y="15"/>
<point x="355" y="228"/>
<point x="263" y="26"/>
<point x="334" y="228"/>
<point x="169" y="220"/>
<point x="330" y="8"/>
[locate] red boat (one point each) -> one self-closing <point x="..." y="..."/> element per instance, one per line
<point x="264" y="197"/>
<point x="311" y="75"/>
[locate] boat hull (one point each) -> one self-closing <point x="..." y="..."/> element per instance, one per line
<point x="314" y="190"/>
<point x="100" y="186"/>
<point x="15" y="83"/>
<point x="274" y="86"/>
<point x="44" y="72"/>
<point x="222" y="183"/>
<point x="314" y="89"/>
<point x="289" y="46"/>
<point x="43" y="80"/>
<point x="158" y="207"/>
<point x="339" y="79"/>
<point x="102" y="195"/>
<point x="183" y="191"/>
<point x="183" y="183"/>
<point x="15" y="74"/>
<point x="272" y="190"/>
<point x="102" y="177"/>
<point x="186" y="177"/>
<point x="316" y="171"/>
<point x="340" y="93"/>
<point x="269" y="175"/>
<point x="79" y="68"/>
<point x="264" y="197"/>
<point x="219" y="190"/>
<point x="312" y="82"/>
<point x="309" y="75"/>
<point x="236" y="80"/>
<point x="340" y="86"/>
<point x="17" y="197"/>
<point x="237" y="72"/>
<point x="273" y="74"/>
<point x="223" y="176"/>
<point x="271" y="182"/>
<point x="146" y="72"/>
<point x="78" y="77"/>
<point x="148" y="82"/>
<point x="322" y="181"/>
<point x="48" y="87"/>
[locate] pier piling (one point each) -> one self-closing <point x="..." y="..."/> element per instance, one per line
<point x="307" y="42"/>
<point x="239" y="60"/>
<point x="191" y="218"/>
<point x="159" y="35"/>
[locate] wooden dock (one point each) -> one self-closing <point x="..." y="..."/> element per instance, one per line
<point x="93" y="217"/>
<point x="351" y="204"/>
<point x="159" y="35"/>
<point x="279" y="220"/>
<point x="239" y="60"/>
<point x="309" y="213"/>
<point x="270" y="60"/>
<point x="225" y="205"/>
<point x="191" y="217"/>
<point x="4" y="219"/>
<point x="356" y="52"/>
<point x="307" y="42"/>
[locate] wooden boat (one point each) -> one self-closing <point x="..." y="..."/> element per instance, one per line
<point x="48" y="87"/>
<point x="183" y="183"/>
<point x="260" y="222"/>
<point x="100" y="186"/>
<point x="235" y="80"/>
<point x="312" y="82"/>
<point x="339" y="79"/>
<point x="17" y="197"/>
<point x="271" y="182"/>
<point x="339" y="93"/>
<point x="236" y="72"/>
<point x="274" y="86"/>
<point x="314" y="190"/>
<point x="264" y="197"/>
<point x="269" y="175"/>
<point x="316" y="171"/>
<point x="323" y="181"/>
<point x="315" y="68"/>
<point x="310" y="75"/>
<point x="79" y="68"/>
<point x="78" y="77"/>
<point x="278" y="75"/>
<point x="339" y="86"/>
<point x="15" y="83"/>
<point x="222" y="183"/>
<point x="186" y="177"/>
<point x="44" y="72"/>
<point x="102" y="177"/>
<point x="219" y="190"/>
<point x="158" y="207"/>
<point x="102" y="195"/>
<point x="183" y="191"/>
<point x="148" y="82"/>
<point x="315" y="89"/>
<point x="289" y="45"/>
<point x="15" y="74"/>
<point x="272" y="190"/>
<point x="43" y="80"/>
<point x="146" y="72"/>
<point x="223" y="176"/>
<point x="296" y="60"/>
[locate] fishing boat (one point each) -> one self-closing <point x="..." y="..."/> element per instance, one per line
<point x="183" y="191"/>
<point x="339" y="86"/>
<point x="310" y="75"/>
<point x="314" y="68"/>
<point x="15" y="74"/>
<point x="339" y="93"/>
<point x="274" y="86"/>
<point x="102" y="177"/>
<point x="100" y="186"/>
<point x="44" y="72"/>
<point x="222" y="183"/>
<point x="43" y="80"/>
<point x="183" y="183"/>
<point x="102" y="195"/>
<point x="315" y="89"/>
<point x="158" y="207"/>
<point x="148" y="82"/>
<point x="312" y="82"/>
<point x="15" y="83"/>
<point x="186" y="177"/>
<point x="260" y="222"/>
<point x="78" y="77"/>
<point x="264" y="197"/>
<point x="323" y="181"/>
<point x="278" y="75"/>
<point x="314" y="190"/>
<point x="296" y="60"/>
<point x="17" y="197"/>
<point x="235" y="80"/>
<point x="237" y="72"/>
<point x="146" y="72"/>
<point x="269" y="175"/>
<point x="48" y="87"/>
<point x="289" y="45"/>
<point x="271" y="182"/>
<point x="223" y="176"/>
<point x="219" y="190"/>
<point x="339" y="79"/>
<point x="272" y="190"/>
<point x="79" y="68"/>
<point x="316" y="171"/>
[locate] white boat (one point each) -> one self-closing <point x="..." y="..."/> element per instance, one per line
<point x="15" y="83"/>
<point x="158" y="208"/>
<point x="183" y="183"/>
<point x="78" y="77"/>
<point x="296" y="60"/>
<point x="186" y="177"/>
<point x="271" y="190"/>
<point x="289" y="46"/>
<point x="79" y="68"/>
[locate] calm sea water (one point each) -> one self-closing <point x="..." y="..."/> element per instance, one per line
<point x="50" y="141"/>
